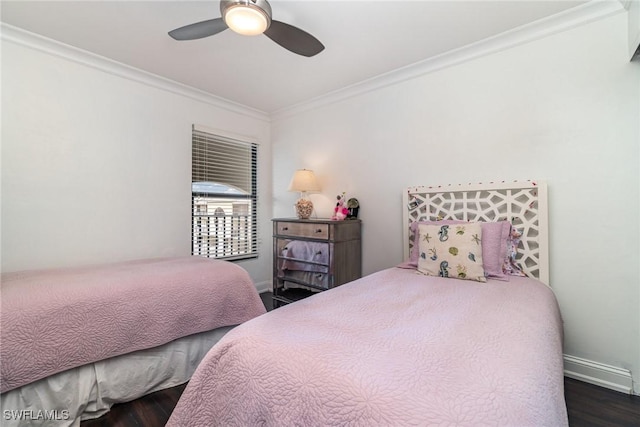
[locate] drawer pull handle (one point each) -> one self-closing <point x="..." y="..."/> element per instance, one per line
<point x="319" y="230"/>
<point x="319" y="253"/>
<point x="285" y="228"/>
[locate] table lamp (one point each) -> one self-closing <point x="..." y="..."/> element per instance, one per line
<point x="304" y="181"/>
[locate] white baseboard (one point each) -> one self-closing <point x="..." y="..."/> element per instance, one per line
<point x="263" y="286"/>
<point x="602" y="375"/>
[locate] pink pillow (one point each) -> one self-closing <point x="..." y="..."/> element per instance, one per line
<point x="494" y="245"/>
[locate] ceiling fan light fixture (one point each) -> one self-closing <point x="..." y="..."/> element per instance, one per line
<point x="252" y="17"/>
<point x="246" y="18"/>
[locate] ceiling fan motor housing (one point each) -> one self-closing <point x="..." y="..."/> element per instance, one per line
<point x="261" y="6"/>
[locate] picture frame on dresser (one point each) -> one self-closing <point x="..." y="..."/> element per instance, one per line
<point x="313" y="255"/>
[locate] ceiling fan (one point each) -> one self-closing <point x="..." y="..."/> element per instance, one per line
<point x="252" y="17"/>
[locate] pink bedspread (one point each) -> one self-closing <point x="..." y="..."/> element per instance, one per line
<point x="394" y="348"/>
<point x="53" y="320"/>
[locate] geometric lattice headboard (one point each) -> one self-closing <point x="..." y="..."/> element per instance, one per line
<point x="522" y="203"/>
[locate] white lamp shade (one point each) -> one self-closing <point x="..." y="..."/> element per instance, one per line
<point x="304" y="181"/>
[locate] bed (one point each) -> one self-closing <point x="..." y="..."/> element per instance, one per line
<point x="405" y="346"/>
<point x="77" y="340"/>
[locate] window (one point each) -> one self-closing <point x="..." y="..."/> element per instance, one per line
<point x="224" y="197"/>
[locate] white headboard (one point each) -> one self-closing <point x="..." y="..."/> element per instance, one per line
<point x="522" y="203"/>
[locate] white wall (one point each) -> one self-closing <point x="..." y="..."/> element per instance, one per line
<point x="96" y="167"/>
<point x="564" y="108"/>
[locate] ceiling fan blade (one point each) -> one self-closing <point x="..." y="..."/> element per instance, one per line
<point x="199" y="29"/>
<point x="294" y="39"/>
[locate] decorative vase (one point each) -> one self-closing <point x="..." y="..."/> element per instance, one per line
<point x="304" y="208"/>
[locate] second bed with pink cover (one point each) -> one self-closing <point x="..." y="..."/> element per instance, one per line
<point x="54" y="320"/>
<point x="75" y="341"/>
<point x="394" y="348"/>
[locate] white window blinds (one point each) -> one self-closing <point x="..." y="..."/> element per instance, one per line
<point x="224" y="196"/>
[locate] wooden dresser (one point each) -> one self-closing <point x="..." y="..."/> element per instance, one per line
<point x="313" y="255"/>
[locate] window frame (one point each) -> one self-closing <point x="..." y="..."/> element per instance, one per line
<point x="239" y="240"/>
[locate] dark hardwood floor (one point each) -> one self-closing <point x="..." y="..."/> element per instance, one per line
<point x="590" y="406"/>
<point x="149" y="411"/>
<point x="587" y="405"/>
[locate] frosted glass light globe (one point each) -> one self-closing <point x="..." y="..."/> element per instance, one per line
<point x="246" y="20"/>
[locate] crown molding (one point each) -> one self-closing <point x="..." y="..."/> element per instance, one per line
<point x="626" y="3"/>
<point x="40" y="43"/>
<point x="589" y="12"/>
<point x="580" y="15"/>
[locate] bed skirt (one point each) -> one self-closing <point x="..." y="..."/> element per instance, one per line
<point x="89" y="391"/>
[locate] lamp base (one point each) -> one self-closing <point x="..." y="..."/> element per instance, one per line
<point x="304" y="208"/>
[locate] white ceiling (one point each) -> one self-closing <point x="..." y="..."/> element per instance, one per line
<point x="363" y="39"/>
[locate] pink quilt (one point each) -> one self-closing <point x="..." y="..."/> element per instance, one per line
<point x="54" y="320"/>
<point x="394" y="348"/>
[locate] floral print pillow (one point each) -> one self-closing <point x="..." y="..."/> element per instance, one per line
<point x="453" y="251"/>
<point x="510" y="265"/>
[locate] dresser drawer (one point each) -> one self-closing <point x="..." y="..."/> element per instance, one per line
<point x="302" y="229"/>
